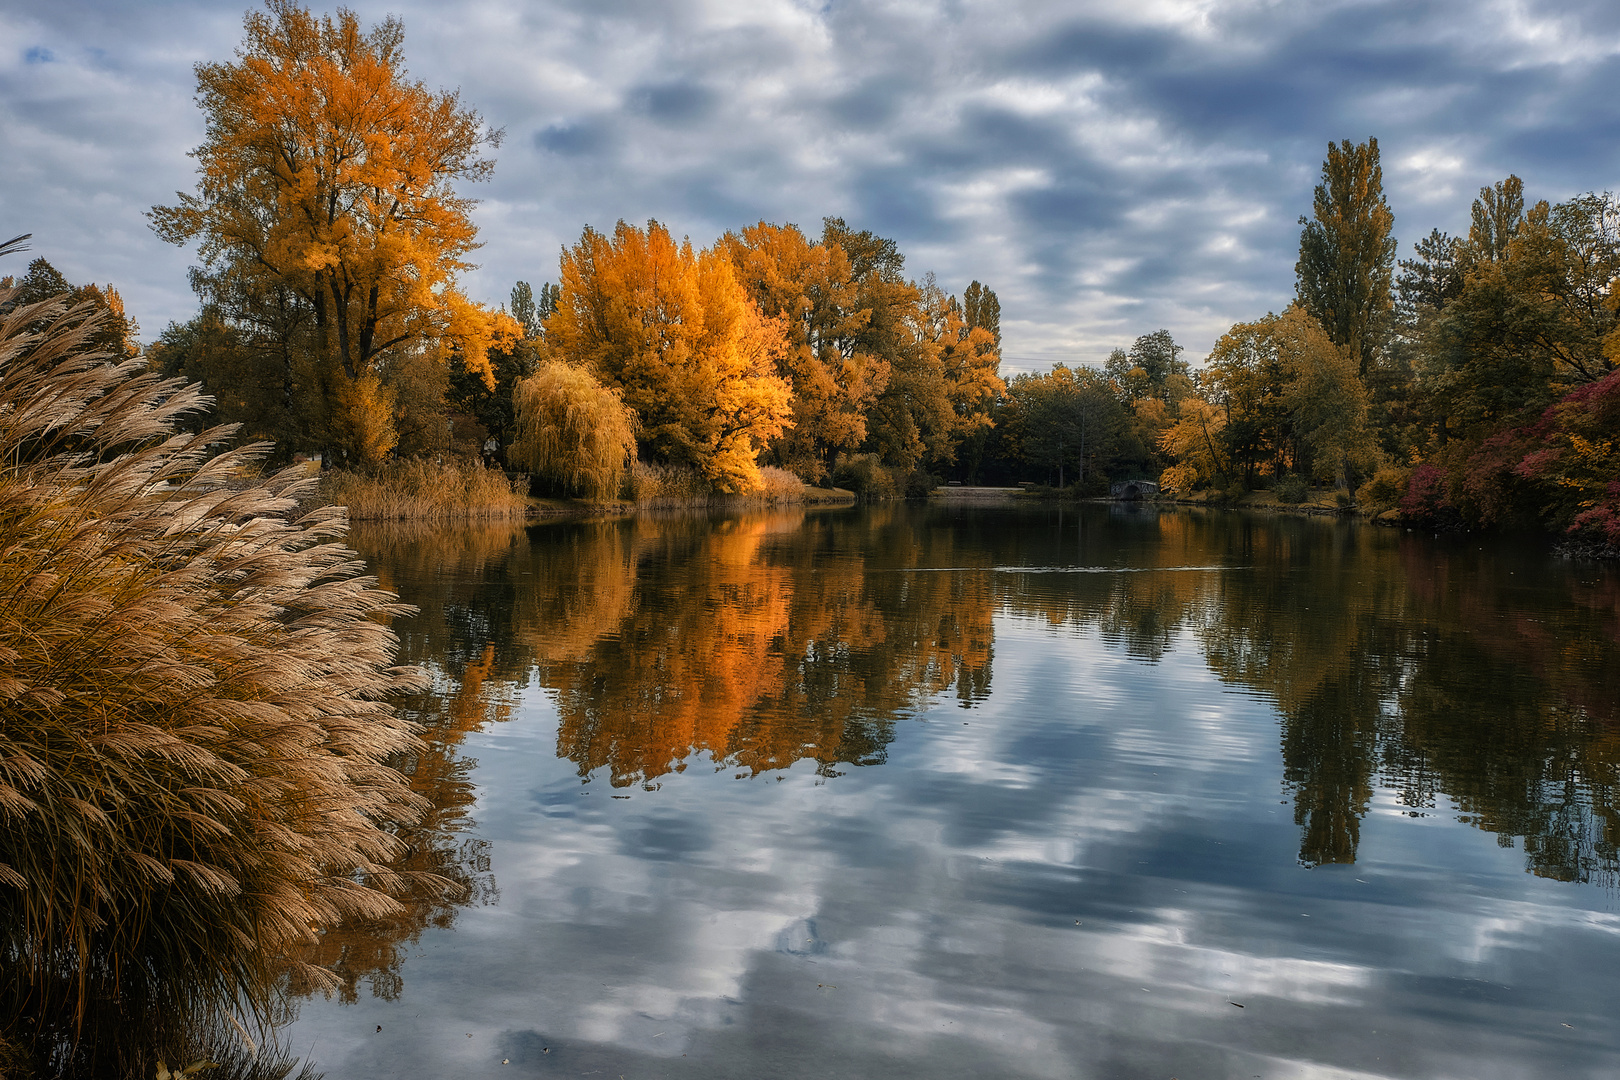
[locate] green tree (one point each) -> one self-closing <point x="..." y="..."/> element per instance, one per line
<point x="1068" y="422"/>
<point x="1495" y="219"/>
<point x="1152" y="368"/>
<point x="1346" y="254"/>
<point x="982" y="308"/>
<point x="113" y="333"/>
<point x="1529" y="323"/>
<point x="532" y="313"/>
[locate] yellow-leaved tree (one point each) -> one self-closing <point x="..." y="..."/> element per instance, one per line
<point x="574" y="434"/>
<point x="673" y="331"/>
<point x="326" y="180"/>
<point x="811" y="287"/>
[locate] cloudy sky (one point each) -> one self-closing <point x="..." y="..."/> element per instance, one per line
<point x="1108" y="166"/>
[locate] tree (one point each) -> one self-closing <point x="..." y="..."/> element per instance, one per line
<point x="1153" y="368"/>
<point x="1067" y="418"/>
<point x="530" y="313"/>
<point x="1495" y="219"/>
<point x="574" y="435"/>
<point x="1434" y="278"/>
<point x="113" y="333"/>
<point x="911" y="421"/>
<point x="1194" y="445"/>
<point x="251" y="377"/>
<point x="673" y="331"/>
<point x="970" y="360"/>
<point x="1326" y="402"/>
<point x="326" y="172"/>
<point x="810" y="288"/>
<point x="982" y="309"/>
<point x="1247" y="376"/>
<point x="1346" y="255"/>
<point x="1530" y="322"/>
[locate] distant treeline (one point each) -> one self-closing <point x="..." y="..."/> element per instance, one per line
<point x="1475" y="387"/>
<point x="1470" y="386"/>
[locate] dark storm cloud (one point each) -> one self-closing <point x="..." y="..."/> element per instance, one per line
<point x="574" y="139"/>
<point x="674" y="103"/>
<point x="1109" y="167"/>
<point x="870" y="104"/>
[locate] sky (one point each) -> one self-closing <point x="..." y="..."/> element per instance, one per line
<point x="1109" y="167"/>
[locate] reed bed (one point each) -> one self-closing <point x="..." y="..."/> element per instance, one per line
<point x="194" y="717"/>
<point x="420" y="490"/>
<point x="658" y="486"/>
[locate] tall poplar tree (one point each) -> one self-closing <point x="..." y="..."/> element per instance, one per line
<point x="1346" y="254"/>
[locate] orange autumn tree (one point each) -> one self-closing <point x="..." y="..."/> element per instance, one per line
<point x="811" y="287"/>
<point x="326" y="176"/>
<point x="670" y="328"/>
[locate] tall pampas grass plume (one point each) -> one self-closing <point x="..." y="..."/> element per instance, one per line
<point x="195" y="724"/>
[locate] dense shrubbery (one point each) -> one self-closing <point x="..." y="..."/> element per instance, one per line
<point x="1292" y="489"/>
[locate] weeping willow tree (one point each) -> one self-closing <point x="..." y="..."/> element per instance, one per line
<point x="194" y="716"/>
<point x="574" y="435"/>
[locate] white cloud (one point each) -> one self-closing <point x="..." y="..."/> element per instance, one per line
<point x="1109" y="168"/>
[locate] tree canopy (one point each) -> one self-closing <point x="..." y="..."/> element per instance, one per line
<point x="326" y="182"/>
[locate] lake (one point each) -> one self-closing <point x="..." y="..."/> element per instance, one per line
<point x="933" y="791"/>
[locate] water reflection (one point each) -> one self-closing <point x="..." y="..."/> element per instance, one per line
<point x="754" y="642"/>
<point x="751" y="643"/>
<point x="1084" y="855"/>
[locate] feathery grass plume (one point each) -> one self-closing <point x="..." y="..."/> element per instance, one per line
<point x="574" y="434"/>
<point x="416" y="489"/>
<point x="194" y="716"/>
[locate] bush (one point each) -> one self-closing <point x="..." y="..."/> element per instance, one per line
<point x="1292" y="489"/>
<point x="1383" y="492"/>
<point x="1427" y="501"/>
<point x="866" y="476"/>
<point x="193" y="717"/>
<point x="920" y="483"/>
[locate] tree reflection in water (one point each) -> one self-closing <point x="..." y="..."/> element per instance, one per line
<point x="1478" y="673"/>
<point x="750" y="643"/>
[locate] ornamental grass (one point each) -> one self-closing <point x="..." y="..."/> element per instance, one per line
<point x="194" y="717"/>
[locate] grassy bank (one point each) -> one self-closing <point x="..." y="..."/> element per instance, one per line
<point x="656" y="487"/>
<point x="419" y="490"/>
<point x="426" y="491"/>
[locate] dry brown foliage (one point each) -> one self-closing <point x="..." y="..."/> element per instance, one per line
<point x="419" y="490"/>
<point x="194" y="722"/>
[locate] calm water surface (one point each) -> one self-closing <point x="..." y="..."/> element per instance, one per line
<point x="923" y="792"/>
